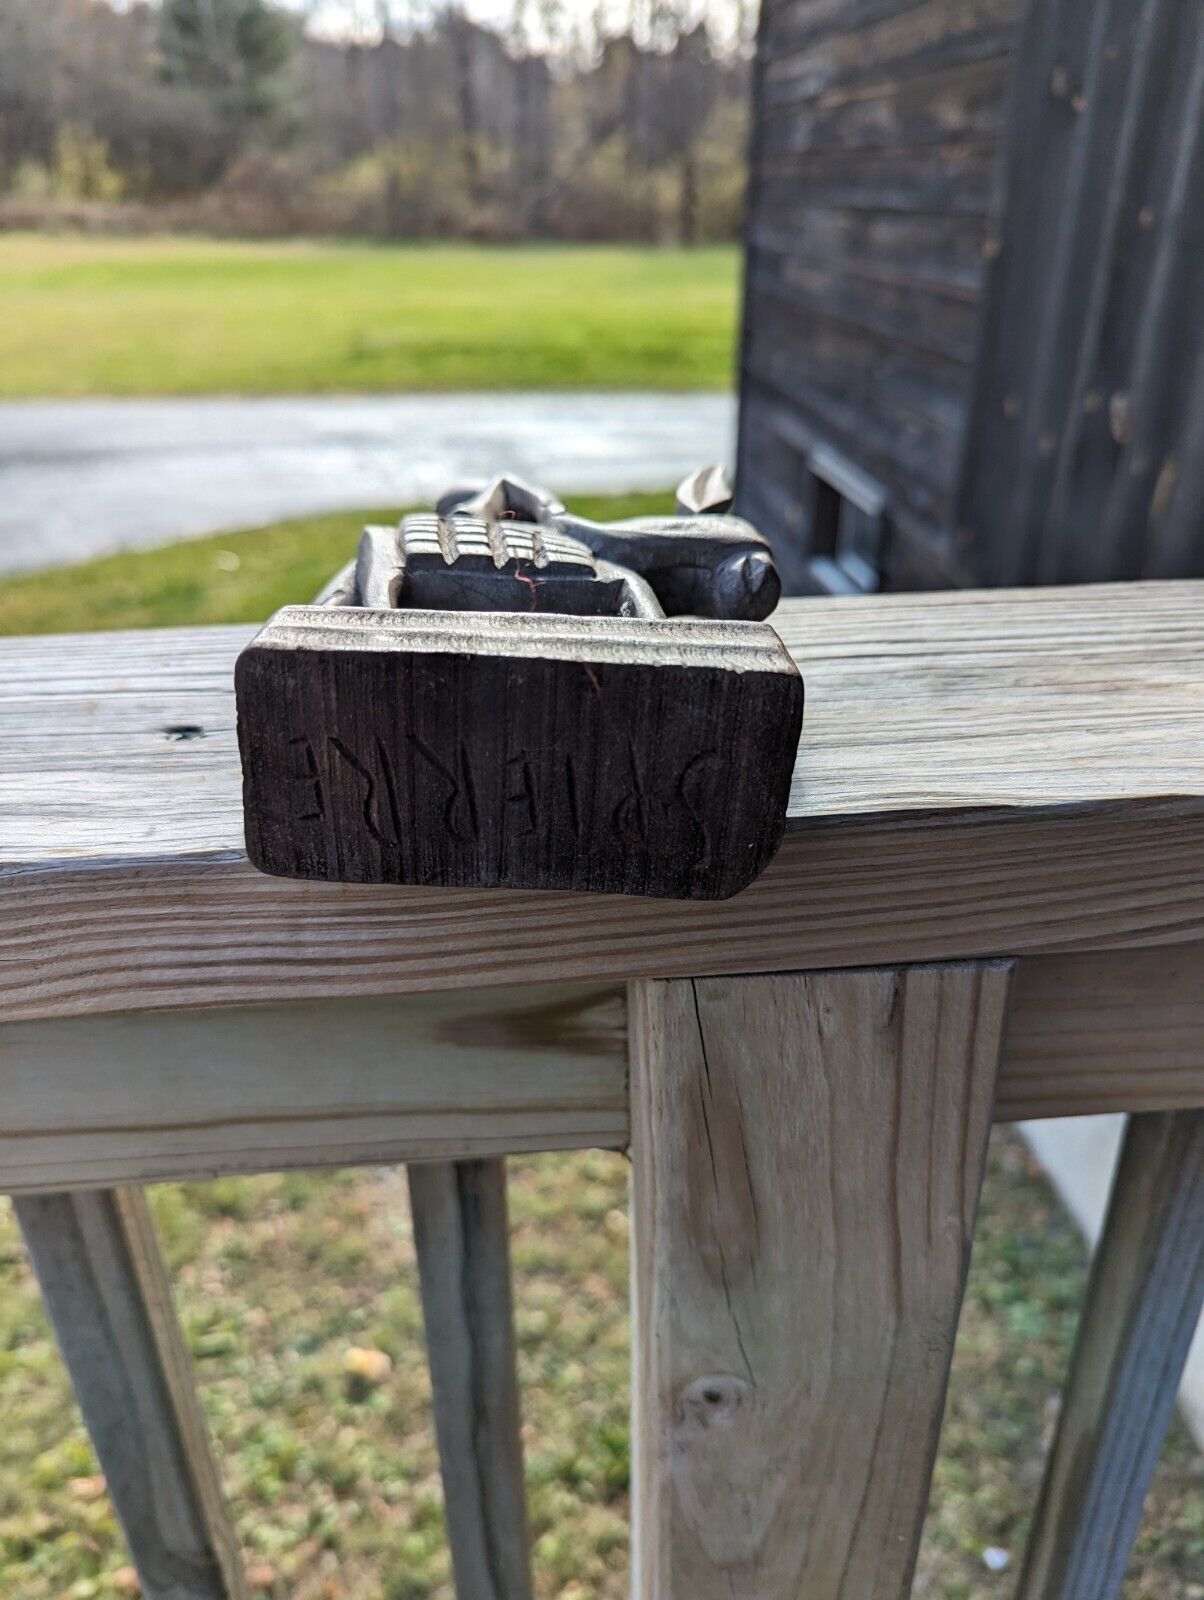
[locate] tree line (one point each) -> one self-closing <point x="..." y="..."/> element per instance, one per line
<point x="234" y="115"/>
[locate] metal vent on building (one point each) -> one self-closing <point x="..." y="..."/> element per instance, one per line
<point x="846" y="509"/>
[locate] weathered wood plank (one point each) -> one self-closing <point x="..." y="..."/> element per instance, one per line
<point x="876" y="132"/>
<point x="149" y="1096"/>
<point x="146" y="1097"/>
<point x="912" y="41"/>
<point x="902" y="113"/>
<point x="1107" y="1031"/>
<point x="1012" y="772"/>
<point x="1145" y="318"/>
<point x="1096" y="691"/>
<point x="901" y="439"/>
<point x="873" y="892"/>
<point x="937" y="324"/>
<point x="1177" y="536"/>
<point x="778" y="433"/>
<point x="922" y="250"/>
<point x="1092" y="321"/>
<point x="807" y="1151"/>
<point x="463" y="1248"/>
<point x="945" y="180"/>
<point x="1143" y="1305"/>
<point x="795" y="23"/>
<point x="106" y="1289"/>
<point x="826" y="392"/>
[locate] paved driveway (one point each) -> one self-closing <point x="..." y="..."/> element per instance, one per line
<point x="79" y="478"/>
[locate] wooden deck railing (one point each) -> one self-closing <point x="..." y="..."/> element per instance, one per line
<point x="989" y="904"/>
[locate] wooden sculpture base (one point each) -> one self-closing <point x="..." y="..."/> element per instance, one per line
<point x="616" y="754"/>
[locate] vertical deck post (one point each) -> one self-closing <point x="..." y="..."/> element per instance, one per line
<point x="807" y="1157"/>
<point x="462" y="1240"/>
<point x="106" y="1288"/>
<point x="1142" y="1307"/>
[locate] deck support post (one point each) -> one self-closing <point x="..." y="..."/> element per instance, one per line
<point x="462" y="1240"/>
<point x="1142" y="1307"/>
<point x="807" y="1156"/>
<point x="97" y="1260"/>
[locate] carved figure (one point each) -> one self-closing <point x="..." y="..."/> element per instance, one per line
<point x="502" y="693"/>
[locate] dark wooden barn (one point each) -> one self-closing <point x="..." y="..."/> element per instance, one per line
<point x="973" y="344"/>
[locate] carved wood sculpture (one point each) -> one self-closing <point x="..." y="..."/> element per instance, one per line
<point x="504" y="693"/>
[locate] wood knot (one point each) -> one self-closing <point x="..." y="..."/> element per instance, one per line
<point x="728" y="1468"/>
<point x="713" y="1401"/>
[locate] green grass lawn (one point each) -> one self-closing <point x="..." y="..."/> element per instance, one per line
<point x="334" y="1483"/>
<point x="84" y="316"/>
<point x="232" y="577"/>
<point x="333" y="1479"/>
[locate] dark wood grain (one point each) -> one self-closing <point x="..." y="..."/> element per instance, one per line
<point x="994" y="206"/>
<point x="462" y="1242"/>
<point x="434" y="748"/>
<point x="1143" y="1304"/>
<point x="876" y="135"/>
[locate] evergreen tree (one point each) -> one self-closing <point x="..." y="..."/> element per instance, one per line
<point x="230" y="50"/>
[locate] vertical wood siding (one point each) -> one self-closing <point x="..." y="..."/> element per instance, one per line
<point x="1085" y="449"/>
<point x="875" y="158"/>
<point x="974" y="237"/>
